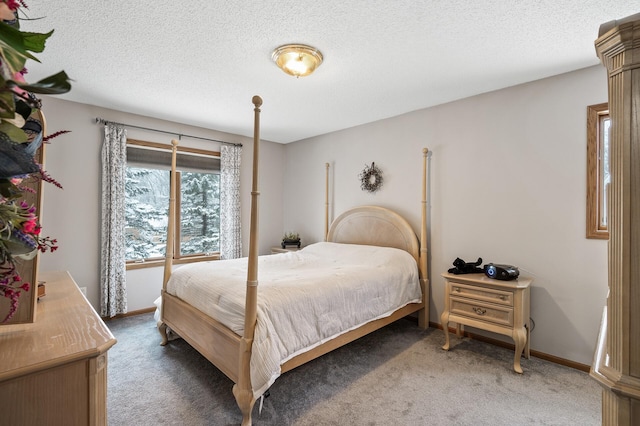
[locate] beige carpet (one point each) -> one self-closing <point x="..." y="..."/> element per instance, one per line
<point x="396" y="376"/>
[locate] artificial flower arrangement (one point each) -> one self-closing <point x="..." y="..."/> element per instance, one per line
<point x="21" y="134"/>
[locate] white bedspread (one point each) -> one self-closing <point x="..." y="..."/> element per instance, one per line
<point x="304" y="298"/>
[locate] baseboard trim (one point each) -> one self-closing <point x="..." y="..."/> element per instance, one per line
<point x="130" y="314"/>
<point x="537" y="354"/>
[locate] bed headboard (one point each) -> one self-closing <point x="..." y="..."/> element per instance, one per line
<point x="375" y="226"/>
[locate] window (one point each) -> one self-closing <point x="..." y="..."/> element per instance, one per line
<point x="598" y="177"/>
<point x="147" y="204"/>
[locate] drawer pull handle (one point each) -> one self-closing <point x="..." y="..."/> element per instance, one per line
<point x="456" y="289"/>
<point x="479" y="311"/>
<point x="502" y="297"/>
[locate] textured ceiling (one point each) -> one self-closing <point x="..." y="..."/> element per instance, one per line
<point x="200" y="62"/>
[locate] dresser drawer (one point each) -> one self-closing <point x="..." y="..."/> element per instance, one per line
<point x="501" y="297"/>
<point x="502" y="315"/>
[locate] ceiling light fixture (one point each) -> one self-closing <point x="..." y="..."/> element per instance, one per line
<point x="298" y="60"/>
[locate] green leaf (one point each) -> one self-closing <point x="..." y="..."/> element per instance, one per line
<point x="14" y="133"/>
<point x="15" y="45"/>
<point x="53" y="85"/>
<point x="7" y="189"/>
<point x="7" y="104"/>
<point x="35" y="42"/>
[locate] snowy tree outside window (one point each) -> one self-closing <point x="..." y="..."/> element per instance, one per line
<point x="200" y="213"/>
<point x="147" y="208"/>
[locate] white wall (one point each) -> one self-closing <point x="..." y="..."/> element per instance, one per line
<point x="72" y="215"/>
<point x="508" y="184"/>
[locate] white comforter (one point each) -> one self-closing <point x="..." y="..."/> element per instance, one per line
<point x="304" y="298"/>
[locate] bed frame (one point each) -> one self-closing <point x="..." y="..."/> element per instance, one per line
<point x="231" y="353"/>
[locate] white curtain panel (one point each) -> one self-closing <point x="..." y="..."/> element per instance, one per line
<point x="113" y="288"/>
<point x="230" y="226"/>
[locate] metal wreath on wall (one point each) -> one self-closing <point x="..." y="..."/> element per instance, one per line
<point x="371" y="178"/>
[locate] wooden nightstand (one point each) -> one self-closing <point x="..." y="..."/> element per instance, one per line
<point x="493" y="305"/>
<point x="275" y="250"/>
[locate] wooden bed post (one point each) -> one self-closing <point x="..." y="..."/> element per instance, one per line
<point x="168" y="258"/>
<point x="243" y="390"/>
<point x="423" y="316"/>
<point x="326" y="202"/>
<point x="171" y="232"/>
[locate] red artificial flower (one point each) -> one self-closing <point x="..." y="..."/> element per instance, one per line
<point x="18" y="77"/>
<point x="30" y="227"/>
<point x="15" y="4"/>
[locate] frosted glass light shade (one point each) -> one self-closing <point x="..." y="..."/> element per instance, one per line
<point x="298" y="60"/>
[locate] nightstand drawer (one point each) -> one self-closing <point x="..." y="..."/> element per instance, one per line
<point x="482" y="311"/>
<point x="482" y="294"/>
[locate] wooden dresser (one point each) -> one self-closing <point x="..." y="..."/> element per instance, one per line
<point x="493" y="305"/>
<point x="54" y="371"/>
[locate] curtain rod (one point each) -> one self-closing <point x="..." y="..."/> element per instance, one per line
<point x="103" y="121"/>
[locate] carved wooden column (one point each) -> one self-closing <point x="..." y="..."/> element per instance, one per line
<point x="616" y="362"/>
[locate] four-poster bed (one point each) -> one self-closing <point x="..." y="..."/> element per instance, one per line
<point x="311" y="301"/>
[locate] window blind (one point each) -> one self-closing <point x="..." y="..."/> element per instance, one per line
<point x="159" y="159"/>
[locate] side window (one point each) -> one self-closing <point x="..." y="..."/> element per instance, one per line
<point x="199" y="207"/>
<point x="598" y="177"/>
<point x="147" y="204"/>
<point x="146" y="212"/>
